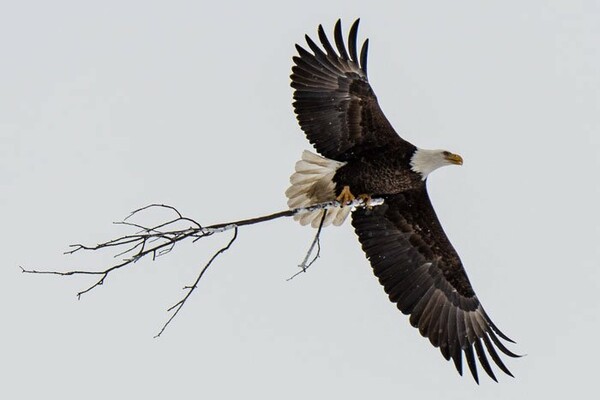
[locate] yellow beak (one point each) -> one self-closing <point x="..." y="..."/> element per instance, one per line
<point x="454" y="159"/>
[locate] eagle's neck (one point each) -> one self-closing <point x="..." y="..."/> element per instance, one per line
<point x="425" y="161"/>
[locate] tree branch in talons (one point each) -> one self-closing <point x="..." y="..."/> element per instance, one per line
<point x="158" y="240"/>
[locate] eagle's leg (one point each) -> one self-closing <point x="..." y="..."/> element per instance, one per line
<point x="345" y="196"/>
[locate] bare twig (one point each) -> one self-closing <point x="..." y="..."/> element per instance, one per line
<point x="160" y="239"/>
<point x="305" y="264"/>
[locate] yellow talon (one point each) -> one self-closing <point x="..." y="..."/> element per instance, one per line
<point x="365" y="198"/>
<point x="346" y="196"/>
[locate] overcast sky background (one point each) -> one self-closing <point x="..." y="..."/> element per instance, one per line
<point x="111" y="106"/>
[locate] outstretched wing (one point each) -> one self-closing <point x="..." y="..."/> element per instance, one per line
<point x="422" y="273"/>
<point x="334" y="102"/>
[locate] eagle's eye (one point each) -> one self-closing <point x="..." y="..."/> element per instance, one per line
<point x="446" y="153"/>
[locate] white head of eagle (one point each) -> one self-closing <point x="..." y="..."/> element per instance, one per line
<point x="427" y="161"/>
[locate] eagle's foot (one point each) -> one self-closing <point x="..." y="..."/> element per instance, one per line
<point x="346" y="197"/>
<point x="365" y="199"/>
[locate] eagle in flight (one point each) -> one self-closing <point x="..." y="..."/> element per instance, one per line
<point x="362" y="155"/>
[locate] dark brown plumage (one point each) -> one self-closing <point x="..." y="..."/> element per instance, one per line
<point x="403" y="239"/>
<point x="334" y="102"/>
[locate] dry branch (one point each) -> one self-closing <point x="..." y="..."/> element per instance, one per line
<point x="160" y="239"/>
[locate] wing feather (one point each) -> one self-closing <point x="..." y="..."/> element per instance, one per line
<point x="363" y="55"/>
<point x="421" y="272"/>
<point x="483" y="360"/>
<point x="339" y="40"/>
<point x="471" y="362"/>
<point x="352" y="40"/>
<point x="434" y="316"/>
<point x="442" y="330"/>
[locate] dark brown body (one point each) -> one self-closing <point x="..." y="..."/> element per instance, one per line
<point x="379" y="172"/>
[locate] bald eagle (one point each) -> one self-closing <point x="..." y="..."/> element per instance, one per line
<point x="361" y="154"/>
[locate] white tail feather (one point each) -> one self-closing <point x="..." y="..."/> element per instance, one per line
<point x="312" y="183"/>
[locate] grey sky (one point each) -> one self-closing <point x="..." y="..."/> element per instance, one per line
<point x="108" y="107"/>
